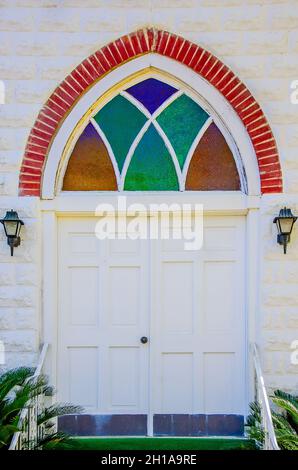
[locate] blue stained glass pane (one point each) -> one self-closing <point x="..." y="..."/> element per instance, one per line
<point x="151" y="93"/>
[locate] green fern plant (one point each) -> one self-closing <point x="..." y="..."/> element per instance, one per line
<point x="17" y="387"/>
<point x="284" y="417"/>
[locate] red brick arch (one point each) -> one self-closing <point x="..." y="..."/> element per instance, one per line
<point x="128" y="47"/>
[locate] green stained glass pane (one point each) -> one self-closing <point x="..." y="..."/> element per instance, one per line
<point x="181" y="121"/>
<point x="120" y="121"/>
<point x="151" y="167"/>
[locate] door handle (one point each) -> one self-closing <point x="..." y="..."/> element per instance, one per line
<point x="144" y="340"/>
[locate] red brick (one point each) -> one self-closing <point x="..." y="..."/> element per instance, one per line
<point x="254" y="115"/>
<point x="247" y="106"/>
<point x="102" y="60"/>
<point x="79" y="79"/>
<point x="24" y="191"/>
<point x="128" y="45"/>
<point x="122" y="49"/>
<point x="231" y="89"/>
<point x="115" y="53"/>
<point x="265" y="145"/>
<point x="169" y="47"/>
<point x="256" y="125"/>
<point x="94" y="61"/>
<point x="262" y="136"/>
<point x="41" y="135"/>
<point x="271" y="189"/>
<point x="206" y="65"/>
<point x="151" y="38"/>
<point x="84" y="73"/>
<point x="33" y="140"/>
<point x="212" y="70"/>
<point x="29" y="184"/>
<point x="64" y="96"/>
<point x="184" y="50"/>
<point x="90" y="69"/>
<point x="216" y="79"/>
<point x="55" y="107"/>
<point x="44" y="127"/>
<point x="70" y="90"/>
<point x="33" y="160"/>
<point x="197" y="58"/>
<point x="29" y="170"/>
<point x="143" y="40"/>
<point x="32" y="179"/>
<point x="271" y="167"/>
<point x="135" y="41"/>
<point x="176" y="47"/>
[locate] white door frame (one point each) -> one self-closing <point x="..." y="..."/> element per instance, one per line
<point x="215" y="203"/>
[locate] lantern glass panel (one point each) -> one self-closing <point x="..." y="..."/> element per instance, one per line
<point x="11" y="228"/>
<point x="286" y="224"/>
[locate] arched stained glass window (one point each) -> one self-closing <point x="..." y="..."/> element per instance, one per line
<point x="151" y="136"/>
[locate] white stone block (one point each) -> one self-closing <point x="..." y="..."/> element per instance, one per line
<point x="56" y="68"/>
<point x="12" y="139"/>
<point x="201" y="19"/>
<point x="271" y="90"/>
<point x="293" y="42"/>
<point x="18" y="115"/>
<point x="102" y="20"/>
<point x="34" y="91"/>
<point x="26" y="318"/>
<point x="16" y="20"/>
<point x="265" y="43"/>
<point x="26" y="274"/>
<point x="283" y="66"/>
<point x="61" y="19"/>
<point x="6" y="44"/>
<point x="173" y="3"/>
<point x="7" y="273"/>
<point x="17" y="296"/>
<point x="7" y="319"/>
<point x="213" y="42"/>
<point x="76" y="44"/>
<point x="19" y="341"/>
<point x="42" y="44"/>
<point x="12" y="68"/>
<point x="17" y="359"/>
<point x="244" y="19"/>
<point x="281" y="17"/>
<point x="248" y="66"/>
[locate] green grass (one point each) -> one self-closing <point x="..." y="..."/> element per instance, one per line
<point x="159" y="443"/>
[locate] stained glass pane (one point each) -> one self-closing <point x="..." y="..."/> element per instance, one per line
<point x="212" y="166"/>
<point x="120" y="121"/>
<point x="89" y="167"/>
<point x="151" y="93"/>
<point x="151" y="167"/>
<point x="181" y="121"/>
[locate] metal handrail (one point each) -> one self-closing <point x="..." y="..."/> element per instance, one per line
<point x="28" y="416"/>
<point x="270" y="442"/>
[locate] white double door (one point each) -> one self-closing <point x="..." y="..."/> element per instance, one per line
<point x="189" y="305"/>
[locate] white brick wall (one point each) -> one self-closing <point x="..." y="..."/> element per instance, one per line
<point x="43" y="40"/>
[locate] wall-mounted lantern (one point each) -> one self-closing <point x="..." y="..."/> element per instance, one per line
<point x="12" y="227"/>
<point x="284" y="223"/>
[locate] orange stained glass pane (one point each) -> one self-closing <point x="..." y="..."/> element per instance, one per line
<point x="212" y="166"/>
<point x="89" y="167"/>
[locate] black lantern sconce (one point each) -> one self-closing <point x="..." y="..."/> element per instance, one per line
<point x="284" y="223"/>
<point x="12" y="227"/>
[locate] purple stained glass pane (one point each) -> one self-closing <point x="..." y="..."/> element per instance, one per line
<point x="151" y="93"/>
